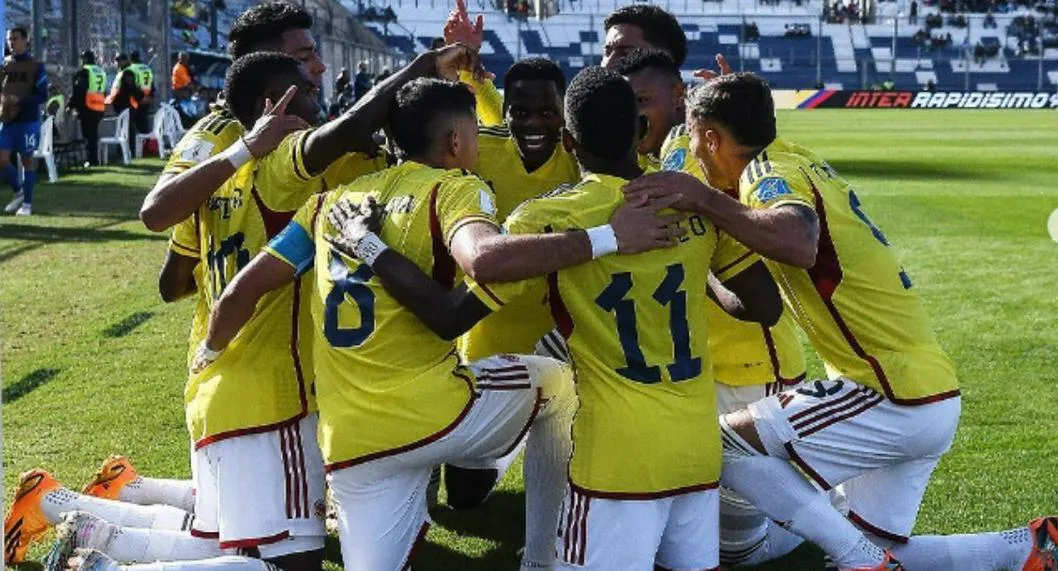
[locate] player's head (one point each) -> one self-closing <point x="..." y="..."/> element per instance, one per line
<point x="17" y="39"/>
<point x="433" y="122"/>
<point x="267" y="75"/>
<point x="281" y="27"/>
<point x="642" y="26"/>
<point x="88" y="57"/>
<point x="731" y="119"/>
<point x="532" y="106"/>
<point x="659" y="90"/>
<point x="134" y="57"/>
<point x="602" y="121"/>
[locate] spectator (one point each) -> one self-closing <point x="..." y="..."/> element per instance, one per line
<point x="931" y="86"/>
<point x="89" y="100"/>
<point x="362" y="81"/>
<point x="913" y="16"/>
<point x="386" y="72"/>
<point x="341" y="83"/>
<point x="125" y="92"/>
<point x="144" y="75"/>
<point x="437" y="43"/>
<point x="182" y="79"/>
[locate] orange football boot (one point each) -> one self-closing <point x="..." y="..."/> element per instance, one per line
<point x="113" y="475"/>
<point x="890" y="564"/>
<point x="26" y="522"/>
<point x="1044" y="556"/>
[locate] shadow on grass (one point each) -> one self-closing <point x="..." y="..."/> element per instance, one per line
<point x="883" y="168"/>
<point x="28" y="384"/>
<point x="127" y="325"/>
<point x="500" y="519"/>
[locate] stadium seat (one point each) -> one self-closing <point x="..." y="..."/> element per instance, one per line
<point x="119" y="138"/>
<point x="46" y="149"/>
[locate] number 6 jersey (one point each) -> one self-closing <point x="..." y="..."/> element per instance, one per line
<point x="636" y="328"/>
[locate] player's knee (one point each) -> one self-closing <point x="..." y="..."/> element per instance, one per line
<point x="740" y="437"/>
<point x="28" y="163"/>
<point x="467" y="487"/>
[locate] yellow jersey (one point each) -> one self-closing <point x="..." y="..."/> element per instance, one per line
<point x="384" y="381"/>
<point x="264" y="378"/>
<point x="856" y="304"/>
<point x="743" y="353"/>
<point x="208" y="136"/>
<point x="517" y="327"/>
<point x="639" y="347"/>
<point x="489" y="101"/>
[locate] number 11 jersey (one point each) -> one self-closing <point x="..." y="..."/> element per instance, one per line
<point x="636" y="328"/>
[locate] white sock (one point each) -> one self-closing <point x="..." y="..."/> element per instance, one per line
<point x="545" y="468"/>
<point x="744" y="533"/>
<point x="970" y="552"/>
<point x="62" y="500"/>
<point x="226" y="562"/>
<point x="781" y="492"/>
<point x="148" y="491"/>
<point x="135" y="545"/>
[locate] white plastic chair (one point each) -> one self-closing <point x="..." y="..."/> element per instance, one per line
<point x="45" y="150"/>
<point x="174" y="126"/>
<point x="157" y="133"/>
<point x="119" y="138"/>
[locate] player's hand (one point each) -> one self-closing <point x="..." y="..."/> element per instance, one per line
<point x="721" y="63"/>
<point x="204" y="357"/>
<point x="685" y="192"/>
<point x="459" y="29"/>
<point x="639" y="228"/>
<point x="353" y="222"/>
<point x="450" y="60"/>
<point x="273" y="125"/>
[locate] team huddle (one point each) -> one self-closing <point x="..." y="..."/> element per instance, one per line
<point x="604" y="278"/>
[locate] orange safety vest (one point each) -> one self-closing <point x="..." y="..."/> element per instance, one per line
<point x="95" y="98"/>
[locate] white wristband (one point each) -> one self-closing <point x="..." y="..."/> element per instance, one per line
<point x="238" y="154"/>
<point x="369" y="247"/>
<point x="603" y="241"/>
<point x="209" y="354"/>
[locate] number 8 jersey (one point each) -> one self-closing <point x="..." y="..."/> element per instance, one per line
<point x="856" y="304"/>
<point x="636" y="328"/>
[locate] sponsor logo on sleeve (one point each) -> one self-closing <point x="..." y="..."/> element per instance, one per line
<point x="195" y="150"/>
<point x="771" y="188"/>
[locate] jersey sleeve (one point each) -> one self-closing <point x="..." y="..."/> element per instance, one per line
<point x="462" y="200"/>
<point x="287" y="182"/>
<point x="208" y="137"/>
<point x="528" y="218"/>
<point x="295" y="244"/>
<point x="489" y="100"/>
<point x="730" y="258"/>
<point x="184" y="239"/>
<point x="777" y="185"/>
<point x="351" y="167"/>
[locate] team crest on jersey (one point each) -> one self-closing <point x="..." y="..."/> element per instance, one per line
<point x="674" y="161"/>
<point x="196" y="150"/>
<point x="771" y="188"/>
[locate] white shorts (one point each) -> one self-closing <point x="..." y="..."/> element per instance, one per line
<point x="733" y="398"/>
<point x="382" y="513"/>
<point x="676" y="533"/>
<point x="839" y="432"/>
<point x="263" y="491"/>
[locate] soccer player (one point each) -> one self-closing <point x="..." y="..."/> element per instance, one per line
<point x="891" y="405"/>
<point x="750" y="361"/>
<point x="25" y="85"/>
<point x="388" y="415"/>
<point x="642" y="26"/>
<point x="638" y="341"/>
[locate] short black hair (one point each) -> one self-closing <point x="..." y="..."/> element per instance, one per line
<point x="252" y="75"/>
<point x="135" y="56"/>
<point x="659" y="28"/>
<point x="641" y="59"/>
<point x="601" y="113"/>
<point x="22" y="31"/>
<point x="536" y="68"/>
<point x="419" y="107"/>
<point x="261" y="26"/>
<point x="742" y="103"/>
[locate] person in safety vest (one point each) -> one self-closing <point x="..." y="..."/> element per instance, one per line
<point x="89" y="100"/>
<point x="125" y="92"/>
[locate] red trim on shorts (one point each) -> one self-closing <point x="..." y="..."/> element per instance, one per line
<point x="293" y="472"/>
<point x="419" y="541"/>
<point x="822" y="405"/>
<point x="304" y="474"/>
<point x="444" y="267"/>
<point x="204" y="534"/>
<point x="528" y="423"/>
<point x="423" y="442"/>
<point x="199" y="444"/>
<point x="644" y="495"/>
<point x="288" y="493"/>
<point x="575" y="538"/>
<point x="796" y="459"/>
<point x="255" y="542"/>
<point x="833" y="417"/>
<point x="864" y="525"/>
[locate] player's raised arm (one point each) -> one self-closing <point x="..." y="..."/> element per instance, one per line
<point x="460" y="29"/>
<point x="175" y="197"/>
<point x="345" y="134"/>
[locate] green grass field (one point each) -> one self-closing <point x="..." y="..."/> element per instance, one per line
<point x="93" y="361"/>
